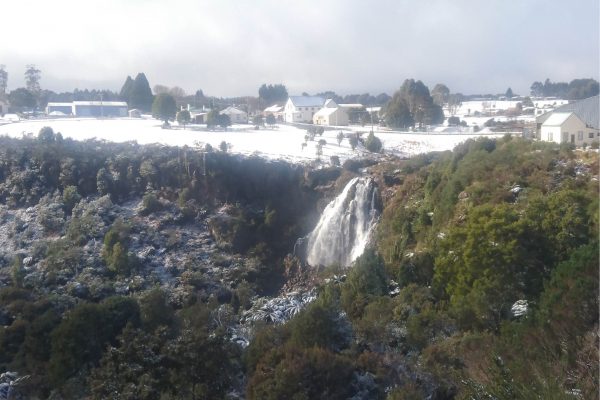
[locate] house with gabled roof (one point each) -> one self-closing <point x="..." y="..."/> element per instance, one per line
<point x="236" y="116"/>
<point x="577" y="123"/>
<point x="302" y="108"/>
<point x="331" y="114"/>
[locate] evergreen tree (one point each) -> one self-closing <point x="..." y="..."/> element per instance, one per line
<point x="183" y="117"/>
<point x="164" y="107"/>
<point x="440" y="94"/>
<point x="397" y="114"/>
<point x="3" y="80"/>
<point x="32" y="79"/>
<point x="141" y="94"/>
<point x="270" y="94"/>
<point x="21" y="98"/>
<point x="509" y="93"/>
<point x="125" y="93"/>
<point x="413" y="104"/>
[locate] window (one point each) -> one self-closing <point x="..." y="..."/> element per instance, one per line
<point x="550" y="136"/>
<point x="591" y="135"/>
<point x="580" y="135"/>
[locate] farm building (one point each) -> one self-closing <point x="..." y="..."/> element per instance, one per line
<point x="236" y="115"/>
<point x="331" y="114"/>
<point x="89" y="109"/>
<point x="576" y="123"/>
<point x="302" y="108"/>
<point x="100" y="109"/>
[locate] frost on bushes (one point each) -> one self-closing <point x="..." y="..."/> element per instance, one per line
<point x="50" y="215"/>
<point x="280" y="309"/>
<point x="90" y="217"/>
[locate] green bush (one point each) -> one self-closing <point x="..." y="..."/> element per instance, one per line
<point x="365" y="280"/>
<point x="373" y="143"/>
<point x="150" y="204"/>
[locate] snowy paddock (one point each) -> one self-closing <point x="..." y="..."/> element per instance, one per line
<point x="282" y="142"/>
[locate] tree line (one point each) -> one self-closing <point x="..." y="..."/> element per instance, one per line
<point x="577" y="89"/>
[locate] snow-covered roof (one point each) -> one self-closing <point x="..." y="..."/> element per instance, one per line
<point x="325" y="111"/>
<point x="274" y="109"/>
<point x="232" y="110"/>
<point x="100" y="103"/>
<point x="588" y="110"/>
<point x="373" y="109"/>
<point x="352" y="105"/>
<point x="60" y="104"/>
<point x="330" y="103"/>
<point x="307" y="101"/>
<point x="557" y="119"/>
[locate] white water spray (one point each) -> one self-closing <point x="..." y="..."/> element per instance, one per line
<point x="345" y="226"/>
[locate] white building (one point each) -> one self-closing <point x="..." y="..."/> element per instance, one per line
<point x="275" y="110"/>
<point x="576" y="123"/>
<point x="568" y="128"/>
<point x="135" y="113"/>
<point x="302" y="108"/>
<point x="100" y="108"/>
<point x="331" y="114"/>
<point x="236" y="115"/>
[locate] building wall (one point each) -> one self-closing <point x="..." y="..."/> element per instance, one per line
<point x="238" y="118"/>
<point x="299" y="114"/>
<point x="339" y="118"/>
<point x="100" y="111"/>
<point x="573" y="130"/>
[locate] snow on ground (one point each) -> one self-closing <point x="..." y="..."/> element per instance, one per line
<point x="283" y="142"/>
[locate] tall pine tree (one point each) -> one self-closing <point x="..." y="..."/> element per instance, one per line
<point x="137" y="93"/>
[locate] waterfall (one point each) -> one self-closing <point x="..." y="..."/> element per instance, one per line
<point x="345" y="226"/>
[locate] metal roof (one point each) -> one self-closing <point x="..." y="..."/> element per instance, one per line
<point x="100" y="103"/>
<point x="588" y="110"/>
<point x="307" y="101"/>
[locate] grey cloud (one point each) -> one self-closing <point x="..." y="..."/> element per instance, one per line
<point x="229" y="48"/>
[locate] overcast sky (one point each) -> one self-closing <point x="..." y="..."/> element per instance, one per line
<point x="229" y="48"/>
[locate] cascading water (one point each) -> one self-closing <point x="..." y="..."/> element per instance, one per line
<point x="345" y="226"/>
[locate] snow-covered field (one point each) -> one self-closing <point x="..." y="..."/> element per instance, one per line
<point x="283" y="142"/>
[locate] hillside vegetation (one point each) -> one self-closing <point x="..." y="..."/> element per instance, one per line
<point x="483" y="284"/>
<point x="136" y="272"/>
